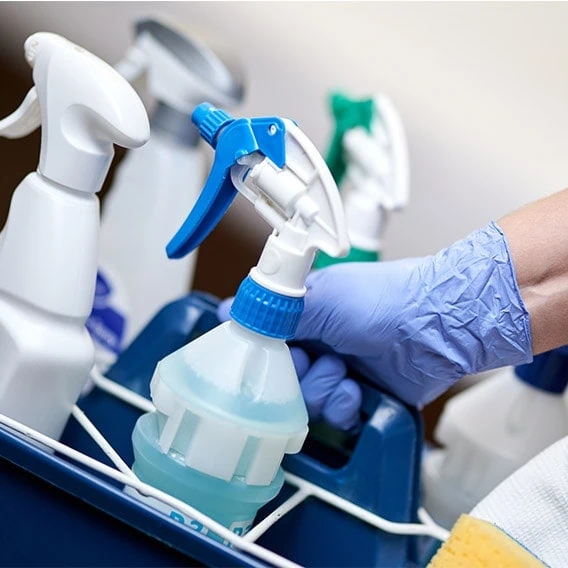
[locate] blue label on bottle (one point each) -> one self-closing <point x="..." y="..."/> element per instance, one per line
<point x="240" y="528"/>
<point x="106" y="324"/>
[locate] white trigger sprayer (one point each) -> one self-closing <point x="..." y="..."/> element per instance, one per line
<point x="48" y="250"/>
<point x="235" y="388"/>
<point x="156" y="186"/>
<point x="178" y="68"/>
<point x="368" y="157"/>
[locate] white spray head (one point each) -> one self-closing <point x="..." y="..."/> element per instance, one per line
<point x="377" y="162"/>
<point x="278" y="169"/>
<point x="84" y="107"/>
<point x="180" y="71"/>
<point x="301" y="202"/>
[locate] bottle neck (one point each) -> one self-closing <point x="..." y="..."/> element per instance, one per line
<point x="252" y="336"/>
<point x="49" y="249"/>
<point x="167" y="121"/>
<point x="265" y="312"/>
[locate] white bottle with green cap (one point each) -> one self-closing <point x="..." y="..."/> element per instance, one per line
<point x="156" y="185"/>
<point x="228" y="404"/>
<point x="368" y="157"/>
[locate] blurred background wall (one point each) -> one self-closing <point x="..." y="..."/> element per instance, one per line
<point x="482" y="89"/>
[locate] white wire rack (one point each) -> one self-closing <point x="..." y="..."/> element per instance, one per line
<point x="304" y="489"/>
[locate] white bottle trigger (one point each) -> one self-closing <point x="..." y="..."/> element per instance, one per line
<point x="90" y="108"/>
<point x="368" y="157"/>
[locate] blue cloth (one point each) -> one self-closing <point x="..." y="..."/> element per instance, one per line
<point x="412" y="326"/>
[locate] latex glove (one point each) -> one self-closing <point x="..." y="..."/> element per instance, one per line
<point x="328" y="393"/>
<point x="531" y="506"/>
<point x="416" y="326"/>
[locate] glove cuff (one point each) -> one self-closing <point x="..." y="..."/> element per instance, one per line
<point x="469" y="300"/>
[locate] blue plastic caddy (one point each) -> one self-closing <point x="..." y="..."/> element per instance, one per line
<point x="59" y="513"/>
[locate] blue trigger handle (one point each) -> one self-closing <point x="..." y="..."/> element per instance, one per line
<point x="232" y="139"/>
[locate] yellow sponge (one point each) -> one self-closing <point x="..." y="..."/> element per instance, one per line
<point x="478" y="544"/>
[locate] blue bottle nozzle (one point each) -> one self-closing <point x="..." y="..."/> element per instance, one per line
<point x="210" y="120"/>
<point x="232" y="139"/>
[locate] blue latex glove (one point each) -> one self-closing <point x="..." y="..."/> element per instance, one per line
<point x="414" y="326"/>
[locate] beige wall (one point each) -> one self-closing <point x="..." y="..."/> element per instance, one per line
<point x="482" y="87"/>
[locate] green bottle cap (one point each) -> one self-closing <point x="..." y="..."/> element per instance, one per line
<point x="348" y="114"/>
<point x="355" y="255"/>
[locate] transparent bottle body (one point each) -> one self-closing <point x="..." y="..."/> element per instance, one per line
<point x="229" y="408"/>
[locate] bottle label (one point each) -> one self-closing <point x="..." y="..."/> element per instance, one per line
<point x="240" y="528"/>
<point x="106" y="324"/>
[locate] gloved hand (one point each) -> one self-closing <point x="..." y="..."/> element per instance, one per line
<point x="412" y="326"/>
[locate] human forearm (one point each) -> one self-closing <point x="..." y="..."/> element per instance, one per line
<point x="538" y="242"/>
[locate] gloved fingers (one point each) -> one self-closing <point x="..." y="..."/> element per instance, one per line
<point x="320" y="381"/>
<point x="224" y="308"/>
<point x="319" y="387"/>
<point x="343" y="407"/>
<point x="320" y="313"/>
<point x="301" y="361"/>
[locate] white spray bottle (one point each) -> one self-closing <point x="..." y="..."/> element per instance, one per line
<point x="155" y="186"/>
<point x="368" y="158"/>
<point x="492" y="429"/>
<point x="229" y="405"/>
<point x="49" y="245"/>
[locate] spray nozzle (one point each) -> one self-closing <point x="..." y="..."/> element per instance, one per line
<point x="242" y="137"/>
<point x="369" y="149"/>
<point x="180" y="71"/>
<point x="84" y="107"/>
<point x="210" y="121"/>
<point x="277" y="168"/>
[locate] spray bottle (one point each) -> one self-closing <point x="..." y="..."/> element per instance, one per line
<point x="229" y="405"/>
<point x="368" y="158"/>
<point x="492" y="429"/>
<point x="155" y="186"/>
<point x="49" y="245"/>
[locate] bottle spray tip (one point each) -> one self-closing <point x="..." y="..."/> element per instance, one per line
<point x="210" y="121"/>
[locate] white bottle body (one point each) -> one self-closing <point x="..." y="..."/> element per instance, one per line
<point x="154" y="188"/>
<point x="48" y="263"/>
<point x="488" y="432"/>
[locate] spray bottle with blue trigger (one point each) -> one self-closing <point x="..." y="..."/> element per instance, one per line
<point x="228" y="404"/>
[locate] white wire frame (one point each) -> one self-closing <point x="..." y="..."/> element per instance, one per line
<point x="304" y="489"/>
